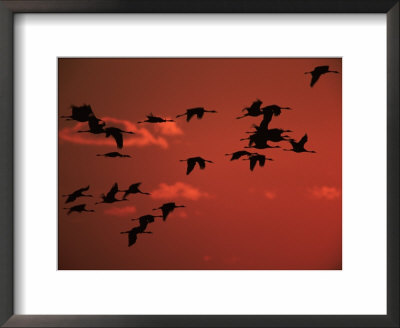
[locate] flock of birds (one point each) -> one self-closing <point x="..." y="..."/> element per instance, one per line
<point x="257" y="139"/>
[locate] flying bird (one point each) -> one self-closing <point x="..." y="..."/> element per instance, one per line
<point x="145" y="220"/>
<point x="155" y="119"/>
<point x="298" y="147"/>
<point x="80" y="113"/>
<point x="198" y="111"/>
<point x="257" y="158"/>
<point x="110" y="197"/>
<point x="76" y="194"/>
<point x="167" y="208"/>
<point x="77" y="208"/>
<point x="253" y="110"/>
<point x="134" y="189"/>
<point x="116" y="133"/>
<point x="113" y="154"/>
<point x="132" y="235"/>
<point x="96" y="126"/>
<point x="317" y="72"/>
<point x="239" y="154"/>
<point x="191" y="162"/>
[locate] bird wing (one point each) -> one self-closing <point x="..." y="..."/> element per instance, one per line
<point x="71" y="198"/>
<point x="202" y="163"/>
<point x="315" y="77"/>
<point x="132" y="237"/>
<point x="189" y="115"/>
<point x="200" y="114"/>
<point x="190" y="166"/>
<point x="261" y="161"/>
<point x="113" y="191"/>
<point x="117" y="135"/>
<point x="253" y="162"/>
<point x="165" y="211"/>
<point x="303" y="140"/>
<point x="82" y="189"/>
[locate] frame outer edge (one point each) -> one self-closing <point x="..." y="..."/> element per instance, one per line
<point x="6" y="165"/>
<point x="393" y="149"/>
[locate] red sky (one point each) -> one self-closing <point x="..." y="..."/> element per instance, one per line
<point x="284" y="216"/>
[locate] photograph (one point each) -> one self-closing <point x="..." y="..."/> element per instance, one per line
<point x="199" y="163"/>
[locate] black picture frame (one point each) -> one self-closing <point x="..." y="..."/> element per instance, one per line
<point x="10" y="7"/>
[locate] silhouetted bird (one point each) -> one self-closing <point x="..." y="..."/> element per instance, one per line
<point x="145" y="220"/>
<point x="167" y="208"/>
<point x="269" y="112"/>
<point x="113" y="154"/>
<point x="80" y="113"/>
<point x="257" y="158"/>
<point x="132" y="235"/>
<point x="134" y="189"/>
<point x="198" y="111"/>
<point x="298" y="147"/>
<point x="76" y="194"/>
<point x="317" y="72"/>
<point x="110" y="197"/>
<point x="77" y="208"/>
<point x="191" y="162"/>
<point x="96" y="126"/>
<point x="259" y="140"/>
<point x="239" y="154"/>
<point x="116" y="133"/>
<point x="155" y="119"/>
<point x="253" y="110"/>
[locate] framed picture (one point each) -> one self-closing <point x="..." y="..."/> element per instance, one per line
<point x="172" y="167"/>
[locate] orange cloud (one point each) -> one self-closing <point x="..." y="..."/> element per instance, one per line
<point x="142" y="136"/>
<point x="178" y="190"/>
<point x="325" y="192"/>
<point x="270" y="194"/>
<point x="168" y="128"/>
<point x="120" y="211"/>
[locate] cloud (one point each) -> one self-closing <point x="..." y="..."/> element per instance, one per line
<point x="120" y="211"/>
<point x="142" y="137"/>
<point x="325" y="192"/>
<point x="168" y="128"/>
<point x="178" y="190"/>
<point x="270" y="194"/>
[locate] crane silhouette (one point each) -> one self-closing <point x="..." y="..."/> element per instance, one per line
<point x="113" y="154"/>
<point x="198" y="111"/>
<point x="253" y="110"/>
<point x="134" y="189"/>
<point x="317" y="72"/>
<point x="76" y="194"/>
<point x="77" y="208"/>
<point x="239" y="154"/>
<point x="259" y="140"/>
<point x="298" y="147"/>
<point x="167" y="208"/>
<point x="257" y="158"/>
<point x="110" y="196"/>
<point x="191" y="162"/>
<point x="132" y="235"/>
<point x="80" y="113"/>
<point x="96" y="126"/>
<point x="116" y="133"/>
<point x="155" y="119"/>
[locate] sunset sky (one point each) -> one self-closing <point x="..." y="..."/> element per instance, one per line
<point x="284" y="216"/>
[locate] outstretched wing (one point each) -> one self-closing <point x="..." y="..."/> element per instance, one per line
<point x="261" y="161"/>
<point x="132" y="237"/>
<point x="189" y="115"/>
<point x="71" y="198"/>
<point x="253" y="162"/>
<point x="113" y="191"/>
<point x="200" y="114"/>
<point x="190" y="166"/>
<point x="303" y="140"/>
<point x="202" y="164"/>
<point x="117" y="135"/>
<point x="314" y="78"/>
<point x="165" y="211"/>
<point x="82" y="190"/>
